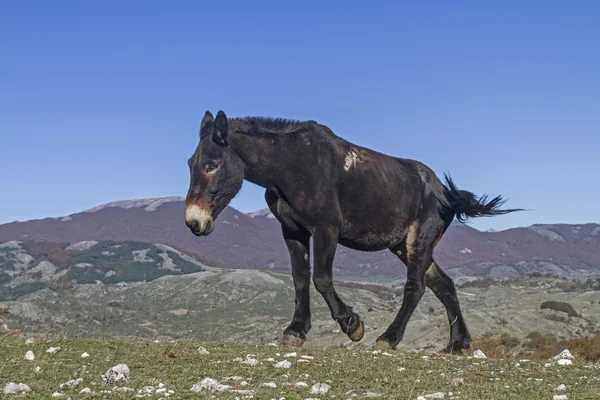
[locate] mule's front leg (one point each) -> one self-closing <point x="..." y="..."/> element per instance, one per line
<point x="325" y="243"/>
<point x="298" y="246"/>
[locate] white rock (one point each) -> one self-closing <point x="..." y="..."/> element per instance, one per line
<point x="251" y="361"/>
<point x="29" y="341"/>
<point x="301" y="385"/>
<point x="436" y="395"/>
<point x="14" y="388"/>
<point x="53" y="350"/>
<point x="71" y="384"/>
<point x="270" y="359"/>
<point x="148" y="389"/>
<point x="85" y="355"/>
<point x="86" y="390"/>
<point x="210" y="384"/>
<point x="319" y="388"/>
<point x="283" y="364"/>
<point x="373" y="394"/>
<point x="561" y="387"/>
<point x="57" y="394"/>
<point x="560" y="397"/>
<point x="565" y="354"/>
<point x="202" y="351"/>
<point x="29" y="356"/>
<point x="564" y="361"/>
<point x="270" y="385"/>
<point x="123" y="389"/>
<point x="478" y="354"/>
<point x="307" y="357"/>
<point x="458" y="381"/>
<point x="161" y="390"/>
<point x="38" y="370"/>
<point x="290" y="355"/>
<point x="118" y="373"/>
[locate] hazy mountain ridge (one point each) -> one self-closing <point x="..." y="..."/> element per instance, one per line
<point x="254" y="242"/>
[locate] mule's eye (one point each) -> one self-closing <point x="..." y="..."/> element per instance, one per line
<point x="211" y="168"/>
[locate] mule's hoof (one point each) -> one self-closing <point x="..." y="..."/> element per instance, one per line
<point x="383" y="345"/>
<point x="456" y="347"/>
<point x="358" y="334"/>
<point x="289" y="340"/>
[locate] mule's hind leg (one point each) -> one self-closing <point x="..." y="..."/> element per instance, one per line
<point x="443" y="287"/>
<point x="416" y="252"/>
<point x="325" y="243"/>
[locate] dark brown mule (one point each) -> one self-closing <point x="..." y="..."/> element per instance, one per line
<point x="321" y="186"/>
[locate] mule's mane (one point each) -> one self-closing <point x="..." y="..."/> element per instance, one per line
<point x="266" y="125"/>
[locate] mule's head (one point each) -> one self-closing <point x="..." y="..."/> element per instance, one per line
<point x="216" y="175"/>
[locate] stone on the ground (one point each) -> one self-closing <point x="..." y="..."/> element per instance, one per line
<point x="14" y="388"/>
<point x="283" y="364"/>
<point x="478" y="354"/>
<point x="53" y="350"/>
<point x="118" y="373"/>
<point x="85" y="355"/>
<point x="458" y="381"/>
<point x="319" y="388"/>
<point x="29" y="356"/>
<point x="38" y="370"/>
<point x="564" y="355"/>
<point x="564" y="361"/>
<point x="210" y="384"/>
<point x="29" y="341"/>
<point x="202" y="351"/>
<point x="561" y="387"/>
<point x="71" y="384"/>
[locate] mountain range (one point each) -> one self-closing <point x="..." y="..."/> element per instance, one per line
<point x="253" y="241"/>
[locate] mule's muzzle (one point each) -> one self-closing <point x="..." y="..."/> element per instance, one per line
<point x="199" y="221"/>
<point x="199" y="229"/>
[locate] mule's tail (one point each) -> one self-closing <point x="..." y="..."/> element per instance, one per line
<point x="464" y="204"/>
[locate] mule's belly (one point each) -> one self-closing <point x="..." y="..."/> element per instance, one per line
<point x="373" y="237"/>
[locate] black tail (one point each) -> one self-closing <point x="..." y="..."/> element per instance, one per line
<point x="465" y="204"/>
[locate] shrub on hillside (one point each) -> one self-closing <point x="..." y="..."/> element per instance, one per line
<point x="567" y="286"/>
<point x="557" y="318"/>
<point x="584" y="348"/>
<point x="496" y="347"/>
<point x="479" y="283"/>
<point x="559" y="306"/>
<point x="542" y="341"/>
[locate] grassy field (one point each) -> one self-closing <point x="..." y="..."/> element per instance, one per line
<point x="178" y="366"/>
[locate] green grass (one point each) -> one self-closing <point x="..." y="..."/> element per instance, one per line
<point x="179" y="366"/>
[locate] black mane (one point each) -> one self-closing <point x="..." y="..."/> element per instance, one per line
<point x="267" y="125"/>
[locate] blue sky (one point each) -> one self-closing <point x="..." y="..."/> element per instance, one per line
<point x="101" y="101"/>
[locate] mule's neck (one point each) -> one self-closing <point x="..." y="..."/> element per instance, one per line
<point x="258" y="156"/>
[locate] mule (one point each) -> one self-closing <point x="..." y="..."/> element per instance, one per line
<point x="323" y="187"/>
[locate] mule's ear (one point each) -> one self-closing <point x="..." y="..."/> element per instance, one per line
<point x="207" y="126"/>
<point x="221" y="129"/>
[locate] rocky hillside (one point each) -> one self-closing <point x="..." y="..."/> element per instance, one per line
<point x="255" y="306"/>
<point x="254" y="242"/>
<point x="26" y="267"/>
